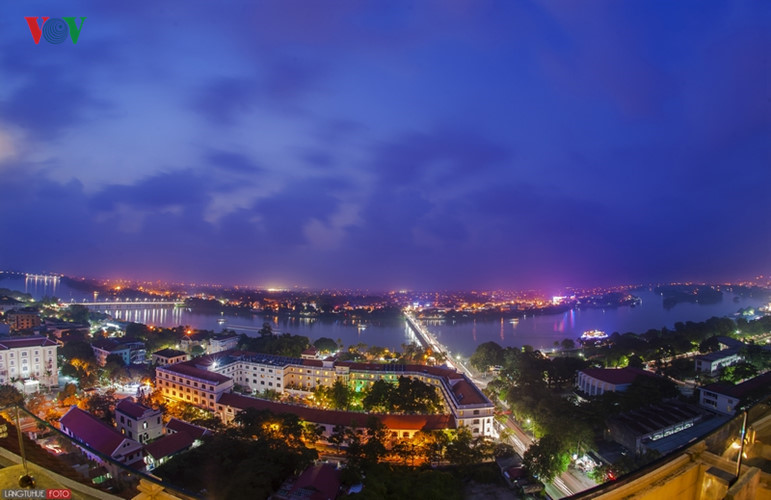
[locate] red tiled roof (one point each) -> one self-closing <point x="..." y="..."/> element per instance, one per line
<point x="188" y="368"/>
<point x="176" y="425"/>
<point x="16" y="343"/>
<point x="467" y="394"/>
<point x="169" y="445"/>
<point x="334" y="417"/>
<point x="132" y="409"/>
<point x="91" y="431"/>
<point x="741" y="390"/>
<point x="322" y="480"/>
<point x="617" y="376"/>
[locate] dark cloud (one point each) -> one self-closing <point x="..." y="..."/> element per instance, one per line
<point x="231" y="162"/>
<point x="181" y="188"/>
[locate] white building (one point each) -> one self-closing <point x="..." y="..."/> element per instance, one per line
<point x="712" y="363"/>
<point x="257" y="372"/>
<point x="30" y="361"/>
<point x="597" y="381"/>
<point x="726" y="398"/>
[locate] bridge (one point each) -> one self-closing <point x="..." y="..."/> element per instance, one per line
<point x="127" y="305"/>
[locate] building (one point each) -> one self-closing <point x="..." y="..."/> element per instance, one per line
<point x="191" y="384"/>
<point x="726" y="398"/>
<point x="196" y="432"/>
<point x="707" y="469"/>
<point x="712" y="363"/>
<point x="132" y="352"/>
<point x="317" y="482"/>
<point x="467" y="404"/>
<point x="101" y="441"/>
<point x="399" y="426"/>
<point x="169" y="357"/>
<point x="9" y="304"/>
<point x="137" y="421"/>
<point x="23" y="319"/>
<point x="597" y="381"/>
<point x="164" y="449"/>
<point x="639" y="429"/>
<point x="223" y="342"/>
<point x="191" y="340"/>
<point x="57" y="328"/>
<point x="30" y="361"/>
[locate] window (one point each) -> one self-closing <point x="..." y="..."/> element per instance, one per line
<point x="144" y="425"/>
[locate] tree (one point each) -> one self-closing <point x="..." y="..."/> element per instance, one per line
<point x="546" y="459"/>
<point x="10" y="396"/>
<point x="266" y="330"/>
<point x="568" y="344"/>
<point x="101" y="406"/>
<point x="325" y="345"/>
<point x="340" y="396"/>
<point x="67" y="396"/>
<point x="486" y="355"/>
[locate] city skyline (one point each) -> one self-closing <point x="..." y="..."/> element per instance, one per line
<point x="440" y="145"/>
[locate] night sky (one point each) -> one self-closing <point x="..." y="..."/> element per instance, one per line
<point x="386" y="144"/>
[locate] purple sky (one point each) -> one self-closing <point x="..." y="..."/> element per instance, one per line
<point x="430" y="144"/>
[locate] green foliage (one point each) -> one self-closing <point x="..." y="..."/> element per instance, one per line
<point x="75" y="313"/>
<point x="387" y="482"/>
<point x="407" y="396"/>
<point x="10" y="396"/>
<point x="283" y="345"/>
<point x="340" y="395"/>
<point x="547" y="458"/>
<point x="101" y="406"/>
<point x="325" y="345"/>
<point x="236" y="469"/>
<point x="486" y="355"/>
<point x="738" y="372"/>
<point x="77" y="349"/>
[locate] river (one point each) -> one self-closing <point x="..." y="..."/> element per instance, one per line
<point x="539" y="331"/>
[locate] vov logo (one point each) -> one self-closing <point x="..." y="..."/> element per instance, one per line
<point x="54" y="30"/>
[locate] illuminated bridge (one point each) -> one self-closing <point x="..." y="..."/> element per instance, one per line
<point x="128" y="305"/>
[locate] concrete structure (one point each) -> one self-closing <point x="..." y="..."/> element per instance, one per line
<point x="712" y="363"/>
<point x="101" y="441"/>
<point x="57" y="328"/>
<point x="638" y="428"/>
<point x="169" y="357"/>
<point x="223" y="342"/>
<point x="257" y="372"/>
<point x="23" y="319"/>
<point x="164" y="449"/>
<point x="137" y="421"/>
<point x="29" y="359"/>
<point x="726" y="398"/>
<point x="132" y="352"/>
<point x="596" y="381"/>
<point x="191" y="384"/>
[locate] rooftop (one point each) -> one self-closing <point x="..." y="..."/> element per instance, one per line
<point x="718" y="355"/>
<point x="617" y="376"/>
<point x="20" y="342"/>
<point x="194" y="431"/>
<point x="91" y="431"/>
<point x="744" y="389"/>
<point x="169" y="445"/>
<point x="169" y="353"/>
<point x="134" y="410"/>
<point x="189" y="369"/>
